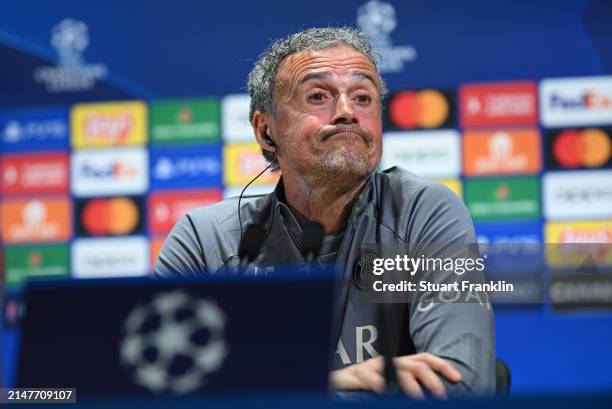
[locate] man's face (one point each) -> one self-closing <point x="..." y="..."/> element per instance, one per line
<point x="329" y="114"/>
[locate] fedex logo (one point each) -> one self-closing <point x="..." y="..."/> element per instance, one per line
<point x="115" y="169"/>
<point x="118" y="171"/>
<point x="576" y="101"/>
<point x="591" y="99"/>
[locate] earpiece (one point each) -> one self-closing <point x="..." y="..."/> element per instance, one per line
<point x="268" y="140"/>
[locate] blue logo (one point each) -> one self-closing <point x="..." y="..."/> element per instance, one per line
<point x="34" y="129"/>
<point x="511" y="247"/>
<point x="192" y="167"/>
<point x="509" y="233"/>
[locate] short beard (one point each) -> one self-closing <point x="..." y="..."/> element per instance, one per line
<point x="342" y="169"/>
<point x="343" y="162"/>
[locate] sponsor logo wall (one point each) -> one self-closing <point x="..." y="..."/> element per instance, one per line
<point x="498" y="104"/>
<point x="503" y="199"/>
<point x="585" y="101"/>
<point x="108" y="124"/>
<point x="34" y="173"/>
<point x="34" y="129"/>
<point x="36" y="220"/>
<point x="420" y="109"/>
<point x="110" y="257"/>
<point x="28" y="262"/>
<point x="98" y="172"/>
<point x="192" y="167"/>
<point x="588" y="148"/>
<point x="190" y="121"/>
<point x="436" y="154"/>
<point x="167" y="207"/>
<point x="577" y="194"/>
<point x="113" y="216"/>
<point x="501" y="152"/>
<point x="92" y="189"/>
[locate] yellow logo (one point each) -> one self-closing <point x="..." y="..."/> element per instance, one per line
<point x="244" y="161"/>
<point x="571" y="243"/>
<point x="109" y="124"/>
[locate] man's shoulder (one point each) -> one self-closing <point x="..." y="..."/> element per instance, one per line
<point x="206" y="237"/>
<point x="225" y="212"/>
<point x="430" y="210"/>
<point x="218" y="211"/>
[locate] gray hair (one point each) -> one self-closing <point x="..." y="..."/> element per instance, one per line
<point x="262" y="77"/>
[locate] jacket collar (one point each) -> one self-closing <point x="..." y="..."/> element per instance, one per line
<point x="275" y="201"/>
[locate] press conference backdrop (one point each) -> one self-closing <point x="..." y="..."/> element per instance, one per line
<point x="118" y="117"/>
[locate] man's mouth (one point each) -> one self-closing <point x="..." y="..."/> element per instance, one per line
<point x="348" y="134"/>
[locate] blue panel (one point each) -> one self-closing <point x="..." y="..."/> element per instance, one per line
<point x="509" y="233"/>
<point x="191" y="167"/>
<point x="34" y="129"/>
<point x="567" y="353"/>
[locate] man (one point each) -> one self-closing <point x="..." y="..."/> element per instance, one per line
<point x="316" y="106"/>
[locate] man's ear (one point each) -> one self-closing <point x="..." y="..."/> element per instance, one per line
<point x="263" y="129"/>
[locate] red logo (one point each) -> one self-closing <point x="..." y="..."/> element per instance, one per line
<point x="588" y="148"/>
<point x="35" y="173"/>
<point x="428" y="108"/>
<point x="511" y="103"/>
<point x="109" y="216"/>
<point x="167" y="207"/>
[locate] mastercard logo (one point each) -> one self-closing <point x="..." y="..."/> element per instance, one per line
<point x="576" y="148"/>
<point x="110" y="216"/>
<point x="419" y="109"/>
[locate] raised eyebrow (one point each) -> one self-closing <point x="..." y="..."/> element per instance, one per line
<point x="366" y="76"/>
<point x="315" y="76"/>
<point x="326" y="75"/>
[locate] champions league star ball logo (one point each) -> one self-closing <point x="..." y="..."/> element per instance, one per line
<point x="377" y="19"/>
<point x="70" y="38"/>
<point x="174" y="342"/>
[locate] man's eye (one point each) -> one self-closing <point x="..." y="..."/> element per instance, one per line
<point x="364" y="99"/>
<point x="318" y="97"/>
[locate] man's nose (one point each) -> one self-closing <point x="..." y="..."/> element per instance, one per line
<point x="344" y="111"/>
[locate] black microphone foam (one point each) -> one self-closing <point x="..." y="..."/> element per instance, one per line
<point x="251" y="243"/>
<point x="312" y="239"/>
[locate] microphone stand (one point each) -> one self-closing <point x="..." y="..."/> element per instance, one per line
<point x="387" y="351"/>
<point x="250" y="245"/>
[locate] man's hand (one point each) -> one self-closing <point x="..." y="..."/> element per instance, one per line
<point x="413" y="373"/>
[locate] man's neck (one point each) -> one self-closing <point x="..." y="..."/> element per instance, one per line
<point x="328" y="204"/>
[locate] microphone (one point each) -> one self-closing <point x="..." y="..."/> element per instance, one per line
<point x="312" y="240"/>
<point x="250" y="245"/>
<point x="387" y="350"/>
